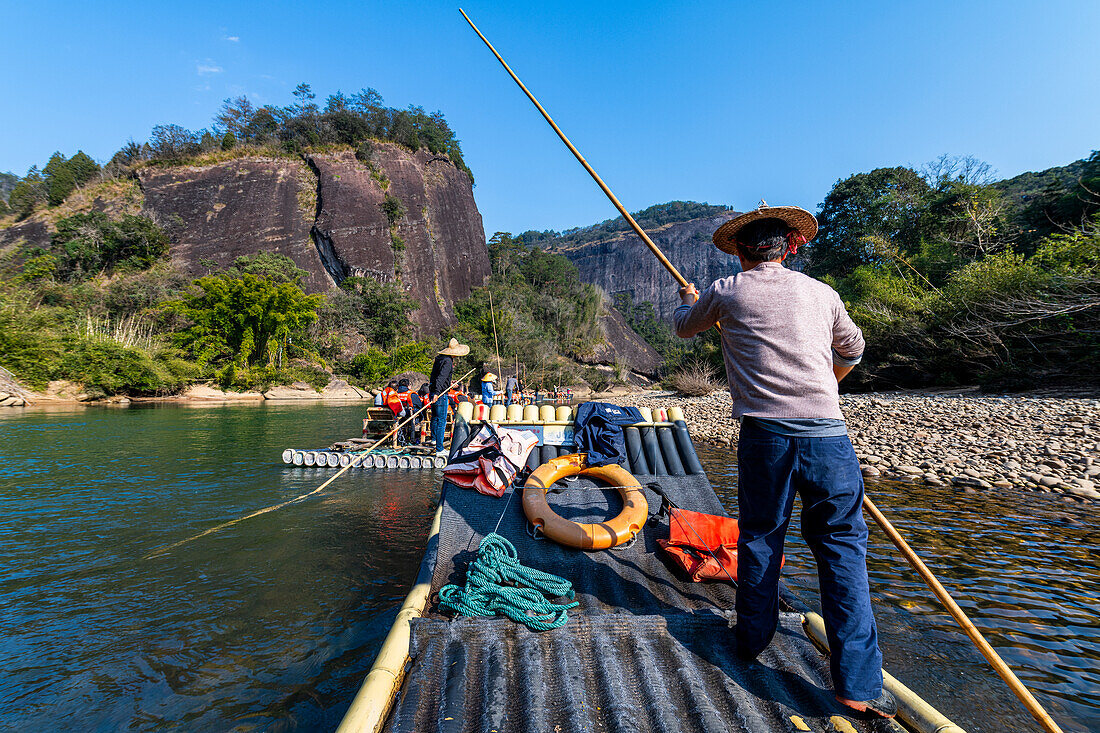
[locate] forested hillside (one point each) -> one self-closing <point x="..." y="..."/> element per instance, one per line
<point x="955" y="277"/>
<point x="89" y="292"/>
<point x="959" y="279"/>
<point x="655" y="216"/>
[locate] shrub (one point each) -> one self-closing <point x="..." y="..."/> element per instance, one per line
<point x="393" y="209"/>
<point x="241" y="318"/>
<point x="375" y="365"/>
<point x="696" y="380"/>
<point x="364" y="151"/>
<point x="91" y="243"/>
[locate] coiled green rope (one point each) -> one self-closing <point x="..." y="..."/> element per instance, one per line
<point x="496" y="582"/>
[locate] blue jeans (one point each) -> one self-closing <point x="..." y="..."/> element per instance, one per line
<point x="825" y="473"/>
<point x="439" y="421"/>
<point x="508" y="398"/>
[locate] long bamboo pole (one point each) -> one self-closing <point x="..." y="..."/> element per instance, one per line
<point x="595" y="176"/>
<point x="957" y="613"/>
<point x="496" y="341"/>
<point x="1033" y="706"/>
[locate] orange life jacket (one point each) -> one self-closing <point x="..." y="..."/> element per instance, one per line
<point x="704" y="545"/>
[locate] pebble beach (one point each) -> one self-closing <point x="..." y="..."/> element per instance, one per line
<point x="1035" y="441"/>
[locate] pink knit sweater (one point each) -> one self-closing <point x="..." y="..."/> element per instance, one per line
<point x="781" y="334"/>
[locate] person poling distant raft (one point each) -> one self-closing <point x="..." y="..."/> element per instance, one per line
<point x="787" y="341"/>
<point x="439" y="385"/>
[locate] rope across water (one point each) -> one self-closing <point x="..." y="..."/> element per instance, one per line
<point x="497" y="583"/>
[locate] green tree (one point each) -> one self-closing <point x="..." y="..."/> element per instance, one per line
<point x="269" y="266"/>
<point x="378" y="312"/>
<point x="242" y="318"/>
<point x="83" y="167"/>
<point x="885" y="203"/>
<point x="86" y="244"/>
<point x="28" y="193"/>
<point x="60" y="180"/>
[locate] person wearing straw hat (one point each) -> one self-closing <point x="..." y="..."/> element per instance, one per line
<point x="787" y="341"/>
<point x="488" y="389"/>
<point x="438" y="385"/>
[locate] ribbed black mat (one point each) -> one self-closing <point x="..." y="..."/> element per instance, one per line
<point x="635" y="579"/>
<point x="645" y="651"/>
<point x="609" y="673"/>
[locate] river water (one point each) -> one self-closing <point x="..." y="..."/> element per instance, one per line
<point x="272" y="623"/>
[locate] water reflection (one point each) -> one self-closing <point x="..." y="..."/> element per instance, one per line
<point x="271" y="623"/>
<point x="1024" y="566"/>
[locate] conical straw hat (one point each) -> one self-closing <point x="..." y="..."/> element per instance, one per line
<point x="798" y="218"/>
<point x="490" y="377"/>
<point x="455" y="349"/>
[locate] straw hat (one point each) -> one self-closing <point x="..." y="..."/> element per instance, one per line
<point x="455" y="349"/>
<point x="798" y="218"/>
<point x="490" y="377"/>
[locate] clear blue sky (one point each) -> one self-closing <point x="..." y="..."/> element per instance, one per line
<point x="725" y="102"/>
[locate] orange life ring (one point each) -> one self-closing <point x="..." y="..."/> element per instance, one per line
<point x="598" y="536"/>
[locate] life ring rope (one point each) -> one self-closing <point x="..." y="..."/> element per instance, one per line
<point x="595" y="536"/>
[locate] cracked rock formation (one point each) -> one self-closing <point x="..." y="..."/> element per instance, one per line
<point x="623" y="264"/>
<point x="326" y="214"/>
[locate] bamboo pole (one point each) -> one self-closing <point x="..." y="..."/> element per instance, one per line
<point x="990" y="654"/>
<point x="496" y="342"/>
<point x="580" y="158"/>
<point x="963" y="620"/>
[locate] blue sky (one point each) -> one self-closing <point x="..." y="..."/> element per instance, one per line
<point x="725" y="102"/>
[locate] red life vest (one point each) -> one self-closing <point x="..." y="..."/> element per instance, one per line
<point x="704" y="545"/>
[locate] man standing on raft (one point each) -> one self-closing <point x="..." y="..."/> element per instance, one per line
<point x="787" y="341"/>
<point x="439" y="384"/>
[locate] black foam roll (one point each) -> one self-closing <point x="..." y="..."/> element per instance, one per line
<point x="547" y="453"/>
<point x="459" y="434"/>
<point x="688" y="455"/>
<point x="563" y="450"/>
<point x="652" y="452"/>
<point x="634" y="454"/>
<point x="668" y="448"/>
<point x="533" y="459"/>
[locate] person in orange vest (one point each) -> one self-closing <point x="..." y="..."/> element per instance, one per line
<point x="387" y="392"/>
<point x="458" y="394"/>
<point x="403" y="402"/>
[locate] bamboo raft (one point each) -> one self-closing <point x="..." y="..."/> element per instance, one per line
<point x="645" y="651"/>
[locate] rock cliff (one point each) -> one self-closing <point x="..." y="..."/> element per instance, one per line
<point x="441" y="253"/>
<point x="621" y="263"/>
<point x="326" y="214"/>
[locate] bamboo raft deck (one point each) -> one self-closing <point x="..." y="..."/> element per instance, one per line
<point x="645" y="651"/>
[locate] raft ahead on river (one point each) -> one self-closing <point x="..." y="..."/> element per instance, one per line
<point x="646" y="650"/>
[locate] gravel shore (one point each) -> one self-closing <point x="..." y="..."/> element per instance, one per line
<point x="1032" y="441"/>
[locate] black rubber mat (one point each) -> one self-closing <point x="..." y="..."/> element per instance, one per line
<point x="635" y="579"/>
<point x="613" y="673"/>
<point x="646" y="650"/>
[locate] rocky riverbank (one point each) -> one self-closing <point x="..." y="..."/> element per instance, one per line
<point x="61" y="393"/>
<point x="1031" y="441"/>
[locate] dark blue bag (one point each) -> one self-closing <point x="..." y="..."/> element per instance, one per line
<point x="598" y="431"/>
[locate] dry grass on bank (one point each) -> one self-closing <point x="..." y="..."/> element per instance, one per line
<point x="696" y="380"/>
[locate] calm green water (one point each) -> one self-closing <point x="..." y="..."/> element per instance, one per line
<point x="272" y="623"/>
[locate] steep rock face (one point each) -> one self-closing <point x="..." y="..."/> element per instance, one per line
<point x="27" y="234"/>
<point x="326" y="215"/>
<point x="623" y="264"/>
<point x="623" y="345"/>
<point x="240" y="207"/>
<point x="444" y="253"/>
